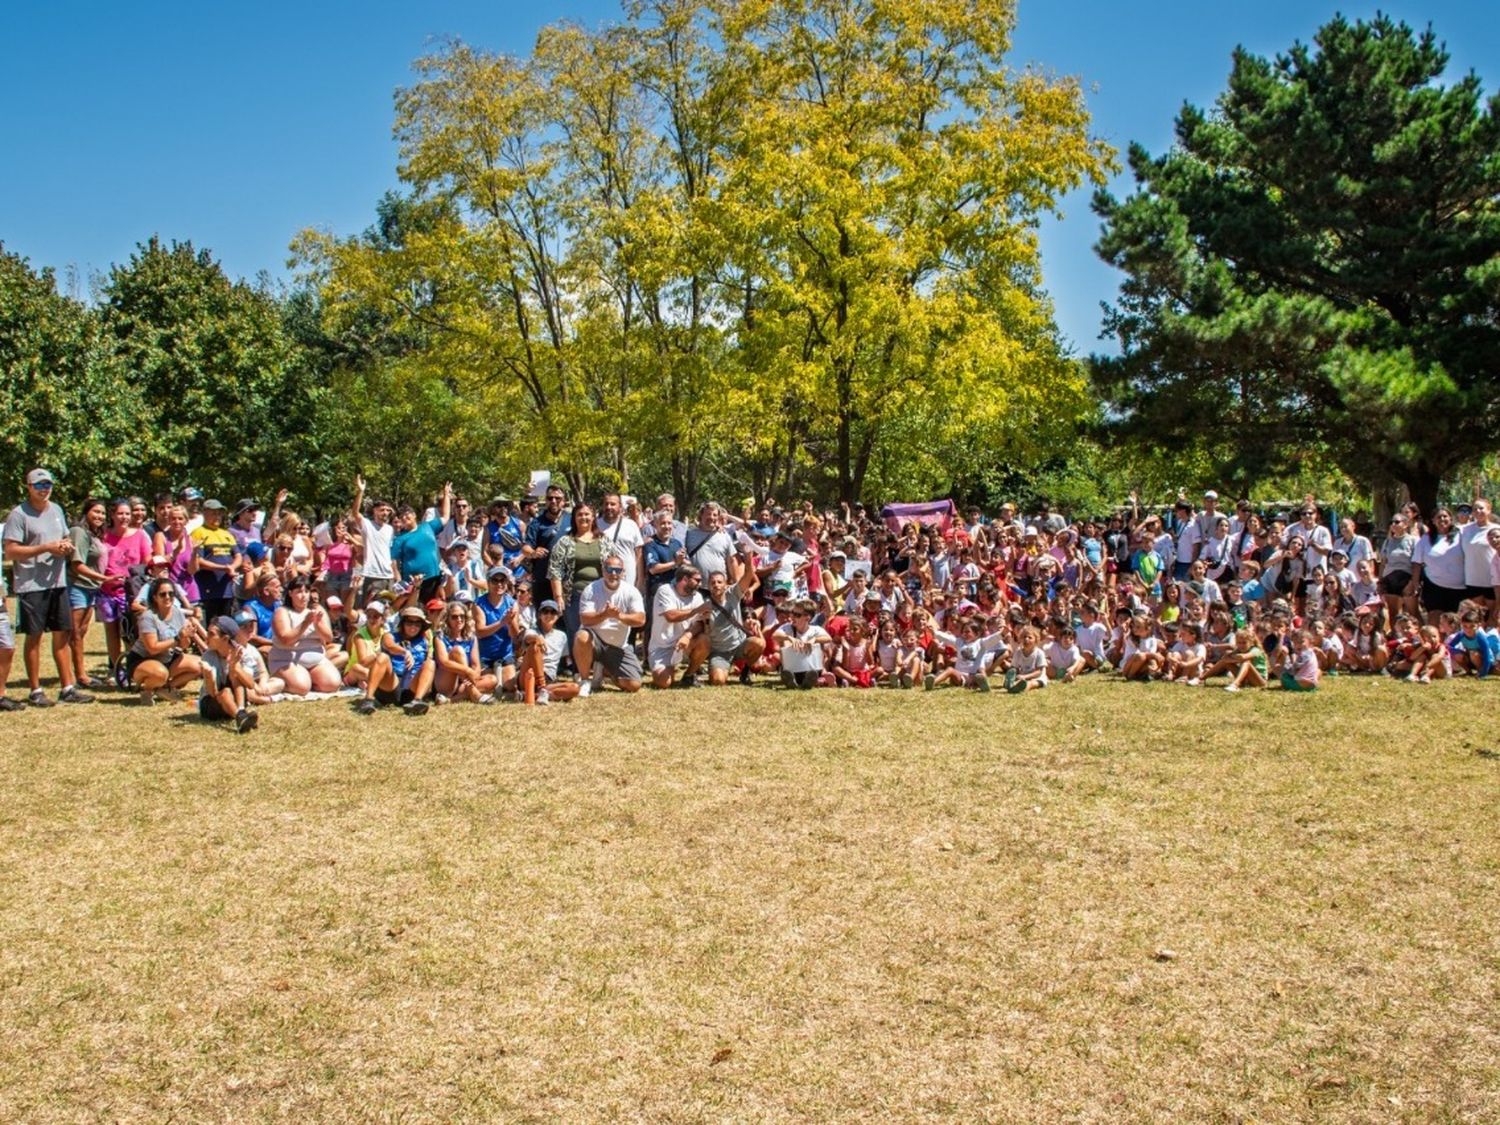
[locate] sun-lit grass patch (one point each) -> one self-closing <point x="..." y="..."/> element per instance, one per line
<point x="1097" y="901"/>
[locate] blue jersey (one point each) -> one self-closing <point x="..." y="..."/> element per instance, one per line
<point x="409" y="659"/>
<point x="263" y="614"/>
<point x="416" y="551"/>
<point x="499" y="646"/>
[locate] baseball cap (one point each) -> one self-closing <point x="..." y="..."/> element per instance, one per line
<point x="213" y="506"/>
<point x="191" y="493"/>
<point x="38" y="476"/>
<point x="457" y="543"/>
<point x="464" y="596"/>
<point x="838" y="555"/>
<point x="333" y="601"/>
<point x="376" y="607"/>
<point x="434" y="605"/>
<point x="497" y="571"/>
<point x="1210" y="495"/>
<point x="244" y="617"/>
<point x="245" y="505"/>
<point x="256" y="550"/>
<point x="548" y="604"/>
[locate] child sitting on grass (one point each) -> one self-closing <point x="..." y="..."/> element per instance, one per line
<point x="221" y="700"/>
<point x="1141" y="658"/>
<point x="1247" y="663"/>
<point x="974" y="649"/>
<point x="1064" y="660"/>
<point x="1028" y="670"/>
<point x="1430" y="660"/>
<point x="1186" y="658"/>
<point x="1301" y="671"/>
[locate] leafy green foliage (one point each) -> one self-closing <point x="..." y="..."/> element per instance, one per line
<point x="1312" y="267"/>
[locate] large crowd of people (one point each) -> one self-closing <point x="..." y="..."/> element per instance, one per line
<point x="539" y="600"/>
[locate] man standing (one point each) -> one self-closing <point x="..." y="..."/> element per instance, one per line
<point x="623" y="534"/>
<point x="242" y="524"/>
<point x="38" y="548"/>
<point x="607" y="612"/>
<point x="541" y="533"/>
<point x="377" y="533"/>
<point x="1188" y="541"/>
<point x="1318" y="538"/>
<point x="218" y="559"/>
<point x="414" y="553"/>
<point x="709" y="547"/>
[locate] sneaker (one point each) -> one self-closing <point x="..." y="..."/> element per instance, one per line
<point x="585" y="689"/>
<point x="9" y="704"/>
<point x="1010" y="679"/>
<point x="1231" y="687"/>
<point x="39" y="698"/>
<point x="440" y="698"/>
<point x="122" y="681"/>
<point x="487" y="698"/>
<point x="905" y="681"/>
<point x="72" y="694"/>
<point x="366" y="706"/>
<point x="147" y="697"/>
<point x="415" y="707"/>
<point x="169" y="693"/>
<point x="543" y="699"/>
<point x="246" y="721"/>
<point x="745" y="675"/>
<point x="984" y="683"/>
<point x="928" y="681"/>
<point x="1194" y="682"/>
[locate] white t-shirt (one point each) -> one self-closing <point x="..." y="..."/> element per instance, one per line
<point x="378" y="538"/>
<point x="786" y="571"/>
<point x="1060" y="659"/>
<point x="664" y="633"/>
<point x="624" y="597"/>
<point x="1442" y="562"/>
<point x="1478" y="554"/>
<point x="1319" y="542"/>
<point x="1091" y="638"/>
<point x="625" y="534"/>
<point x="793" y="660"/>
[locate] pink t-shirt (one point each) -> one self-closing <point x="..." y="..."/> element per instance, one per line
<point x="338" y="559"/>
<point x="132" y="548"/>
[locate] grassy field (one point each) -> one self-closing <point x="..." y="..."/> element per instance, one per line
<point x="1101" y="902"/>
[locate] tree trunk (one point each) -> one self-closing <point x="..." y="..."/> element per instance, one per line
<point x="1422" y="485"/>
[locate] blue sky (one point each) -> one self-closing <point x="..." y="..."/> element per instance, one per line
<point x="237" y="125"/>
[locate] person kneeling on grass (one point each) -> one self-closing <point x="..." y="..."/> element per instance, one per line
<point x="607" y="611"/>
<point x="221" y="699"/>
<point x="1301" y="670"/>
<point x="402" y="671"/>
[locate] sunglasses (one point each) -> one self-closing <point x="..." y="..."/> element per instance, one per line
<point x="44" y="486"/>
<point x="614" y="570"/>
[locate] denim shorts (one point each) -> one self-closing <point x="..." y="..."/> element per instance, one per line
<point x="79" y="598"/>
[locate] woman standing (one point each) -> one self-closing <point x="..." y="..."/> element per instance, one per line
<point x="577" y="559"/>
<point x="1395" y="569"/>
<point x="128" y="547"/>
<point x="1438" y="568"/>
<point x="175" y="544"/>
<point x="85" y="576"/>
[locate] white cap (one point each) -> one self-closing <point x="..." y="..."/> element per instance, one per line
<point x="1210" y="495"/>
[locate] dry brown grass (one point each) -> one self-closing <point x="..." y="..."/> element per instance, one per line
<point x="1100" y="902"/>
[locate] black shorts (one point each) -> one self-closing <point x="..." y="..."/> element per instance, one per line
<point x="387" y="698"/>
<point x="1393" y="583"/>
<point x="1485" y="594"/>
<point x="1440" y="599"/>
<point x="209" y="709"/>
<point x="44" y="611"/>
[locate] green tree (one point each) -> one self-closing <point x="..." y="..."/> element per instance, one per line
<point x="229" y="404"/>
<point x="67" y="403"/>
<point x="1315" y="267"/>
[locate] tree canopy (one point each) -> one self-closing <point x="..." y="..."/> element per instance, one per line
<point x="1314" y="268"/>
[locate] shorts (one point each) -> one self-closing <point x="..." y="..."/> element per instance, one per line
<point x="110" y="605"/>
<point x="279" y="660"/>
<point x="209" y="709"/>
<point x="1440" y="599"/>
<point x="7" y="634"/>
<point x="338" y="582"/>
<point x="724" y="661"/>
<point x="387" y="698"/>
<point x="665" y="659"/>
<point x="1290" y="682"/>
<point x="618" y="663"/>
<point x="1484" y="594"/>
<point x="801" y="681"/>
<point x="80" y="598"/>
<point x="44" y="611"/>
<point x="1393" y="583"/>
<point x="134" y="660"/>
<point x="216" y="607"/>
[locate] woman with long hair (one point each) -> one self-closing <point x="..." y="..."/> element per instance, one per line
<point x="175" y="544"/>
<point x="1437" y="567"/>
<point x="577" y="559"/>
<point x="85" y="576"/>
<point x="1395" y="569"/>
<point x="128" y="547"/>
<point x="300" y="636"/>
<point x="159" y="660"/>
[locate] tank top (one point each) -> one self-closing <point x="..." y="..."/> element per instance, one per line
<point x="307" y="642"/>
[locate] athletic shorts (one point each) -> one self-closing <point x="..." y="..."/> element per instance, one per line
<point x="1393" y="583"/>
<point x="724" y="661"/>
<point x="618" y="663"/>
<point x="44" y="611"/>
<point x="665" y="659"/>
<point x="1484" y="594"/>
<point x="110" y="605"/>
<point x="1440" y="599"/>
<point x="209" y="709"/>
